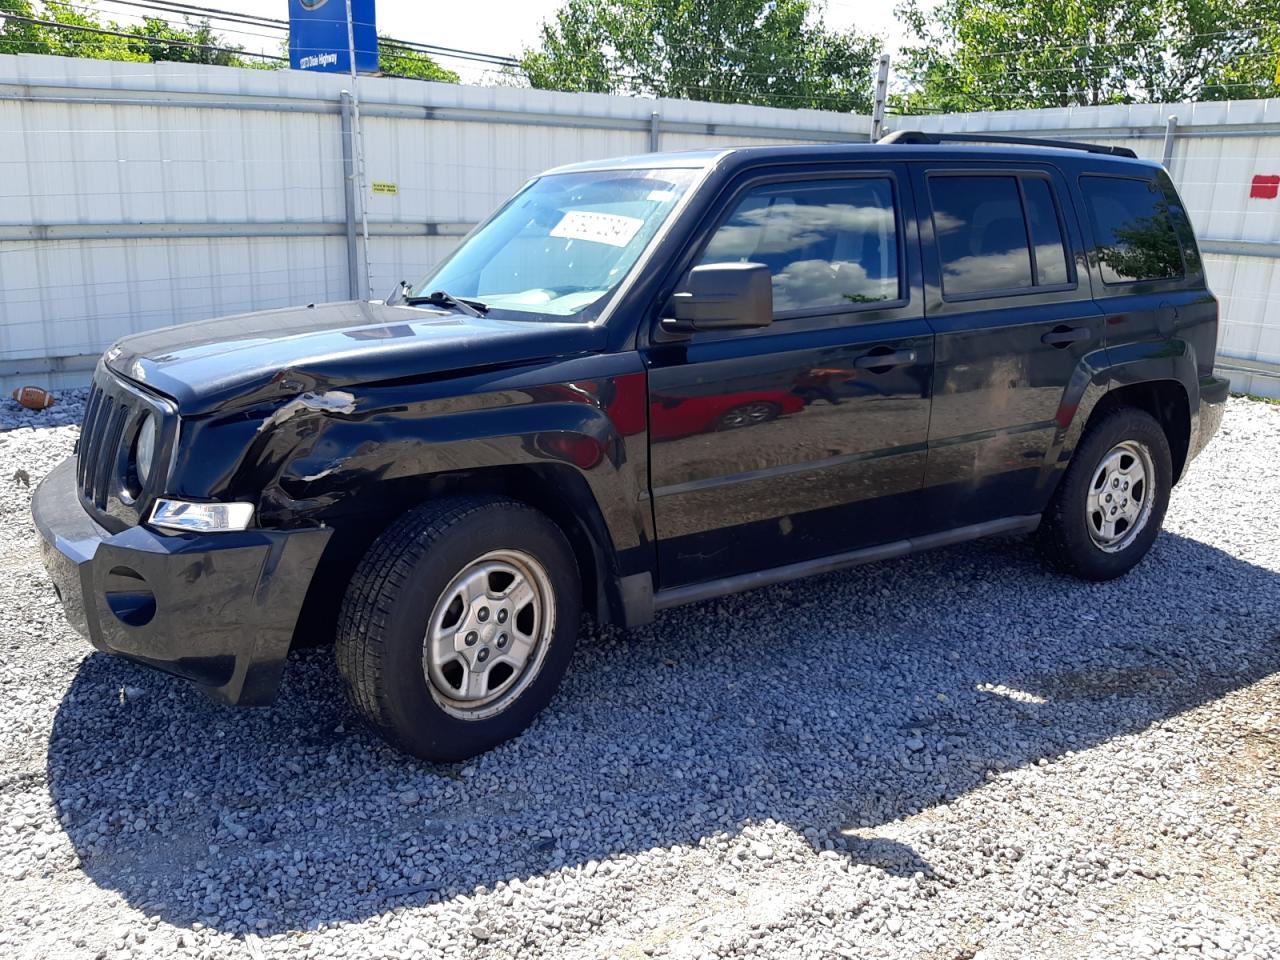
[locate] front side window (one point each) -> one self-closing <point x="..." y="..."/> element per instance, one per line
<point x="997" y="233"/>
<point x="562" y="245"/>
<point x="827" y="243"/>
<point x="1133" y="229"/>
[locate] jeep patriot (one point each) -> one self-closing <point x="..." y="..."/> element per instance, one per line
<point x="640" y="383"/>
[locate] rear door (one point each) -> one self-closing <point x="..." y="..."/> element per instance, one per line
<point x="805" y="438"/>
<point x="1007" y="294"/>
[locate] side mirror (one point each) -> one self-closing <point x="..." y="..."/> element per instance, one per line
<point x="723" y="296"/>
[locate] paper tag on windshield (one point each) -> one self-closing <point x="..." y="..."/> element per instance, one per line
<point x="616" y="231"/>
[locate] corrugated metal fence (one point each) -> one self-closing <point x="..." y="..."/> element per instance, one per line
<point x="139" y="195"/>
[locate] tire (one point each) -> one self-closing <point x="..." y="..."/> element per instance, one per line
<point x="1074" y="536"/>
<point x="400" y="677"/>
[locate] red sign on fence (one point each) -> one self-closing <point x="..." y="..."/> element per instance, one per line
<point x="1265" y="187"/>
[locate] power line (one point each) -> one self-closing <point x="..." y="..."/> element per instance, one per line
<point x="1258" y="31"/>
<point x="187" y="9"/>
<point x="140" y="37"/>
<point x="231" y="16"/>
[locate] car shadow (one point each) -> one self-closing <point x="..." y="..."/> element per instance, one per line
<point x="835" y="705"/>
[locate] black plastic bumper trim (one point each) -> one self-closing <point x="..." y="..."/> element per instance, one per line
<point x="220" y="609"/>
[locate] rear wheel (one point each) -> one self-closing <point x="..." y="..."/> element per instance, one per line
<point x="458" y="625"/>
<point x="1108" y="509"/>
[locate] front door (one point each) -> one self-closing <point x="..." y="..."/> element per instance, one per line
<point x="1008" y="297"/>
<point x="806" y="438"/>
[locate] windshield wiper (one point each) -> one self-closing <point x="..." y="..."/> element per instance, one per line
<point x="438" y="298"/>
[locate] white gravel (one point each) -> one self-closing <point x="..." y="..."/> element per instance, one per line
<point x="956" y="755"/>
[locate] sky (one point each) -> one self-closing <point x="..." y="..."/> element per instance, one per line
<point x="489" y="26"/>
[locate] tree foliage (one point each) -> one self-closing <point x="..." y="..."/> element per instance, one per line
<point x="772" y="52"/>
<point x="1014" y="54"/>
<point x="155" y="39"/>
<point x="397" y="60"/>
<point x="159" y="40"/>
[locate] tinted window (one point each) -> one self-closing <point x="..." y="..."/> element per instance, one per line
<point x="829" y="243"/>
<point x="981" y="234"/>
<point x="1046" y="231"/>
<point x="1133" y="229"/>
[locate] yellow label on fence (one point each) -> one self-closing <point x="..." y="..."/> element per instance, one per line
<point x="389" y="188"/>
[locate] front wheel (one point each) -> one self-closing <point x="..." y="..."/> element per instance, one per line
<point x="459" y="624"/>
<point x="1107" y="511"/>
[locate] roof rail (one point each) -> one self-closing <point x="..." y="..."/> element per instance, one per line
<point x="920" y="137"/>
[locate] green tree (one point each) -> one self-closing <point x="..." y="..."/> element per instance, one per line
<point x="77" y="34"/>
<point x="771" y="52"/>
<point x="1016" y="54"/>
<point x="158" y="40"/>
<point x="397" y="60"/>
<point x="19" y="36"/>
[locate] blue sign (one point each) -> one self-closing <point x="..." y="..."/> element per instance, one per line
<point x="318" y="36"/>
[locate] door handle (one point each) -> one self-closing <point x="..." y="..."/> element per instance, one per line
<point x="879" y="362"/>
<point x="1063" y="336"/>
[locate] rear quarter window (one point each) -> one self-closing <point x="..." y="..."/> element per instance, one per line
<point x="1133" y="229"/>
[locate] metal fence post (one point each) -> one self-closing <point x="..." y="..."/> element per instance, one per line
<point x="1170" y="132"/>
<point x="878" y="100"/>
<point x="655" y="131"/>
<point x="349" y="198"/>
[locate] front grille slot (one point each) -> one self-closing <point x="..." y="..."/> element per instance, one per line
<point x="105" y="469"/>
<point x="93" y="446"/>
<point x="86" y="448"/>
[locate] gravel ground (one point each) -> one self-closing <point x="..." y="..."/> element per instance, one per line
<point x="956" y="755"/>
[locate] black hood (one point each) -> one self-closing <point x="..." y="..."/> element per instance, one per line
<point x="208" y="364"/>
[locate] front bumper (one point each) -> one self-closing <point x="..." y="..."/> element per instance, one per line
<point x="218" y="609"/>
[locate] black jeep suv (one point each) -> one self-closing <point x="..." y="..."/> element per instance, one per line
<point x="640" y="383"/>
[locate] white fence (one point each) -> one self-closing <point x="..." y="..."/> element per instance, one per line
<point x="138" y="195"/>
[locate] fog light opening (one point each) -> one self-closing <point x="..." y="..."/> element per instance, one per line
<point x="133" y="608"/>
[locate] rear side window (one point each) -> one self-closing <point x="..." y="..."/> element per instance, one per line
<point x="1046" y="232"/>
<point x="828" y="243"/>
<point x="997" y="234"/>
<point x="1133" y="229"/>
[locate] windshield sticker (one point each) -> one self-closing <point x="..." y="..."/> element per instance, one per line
<point x="608" y="228"/>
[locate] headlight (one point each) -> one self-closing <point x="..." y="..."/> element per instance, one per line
<point x="144" y="449"/>
<point x="201" y="517"/>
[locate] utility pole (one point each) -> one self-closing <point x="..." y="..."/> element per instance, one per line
<point x="879" y="97"/>
<point x="358" y="137"/>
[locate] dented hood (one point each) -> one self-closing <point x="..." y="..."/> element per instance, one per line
<point x="208" y="365"/>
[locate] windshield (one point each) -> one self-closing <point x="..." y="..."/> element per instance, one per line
<point x="561" y="245"/>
